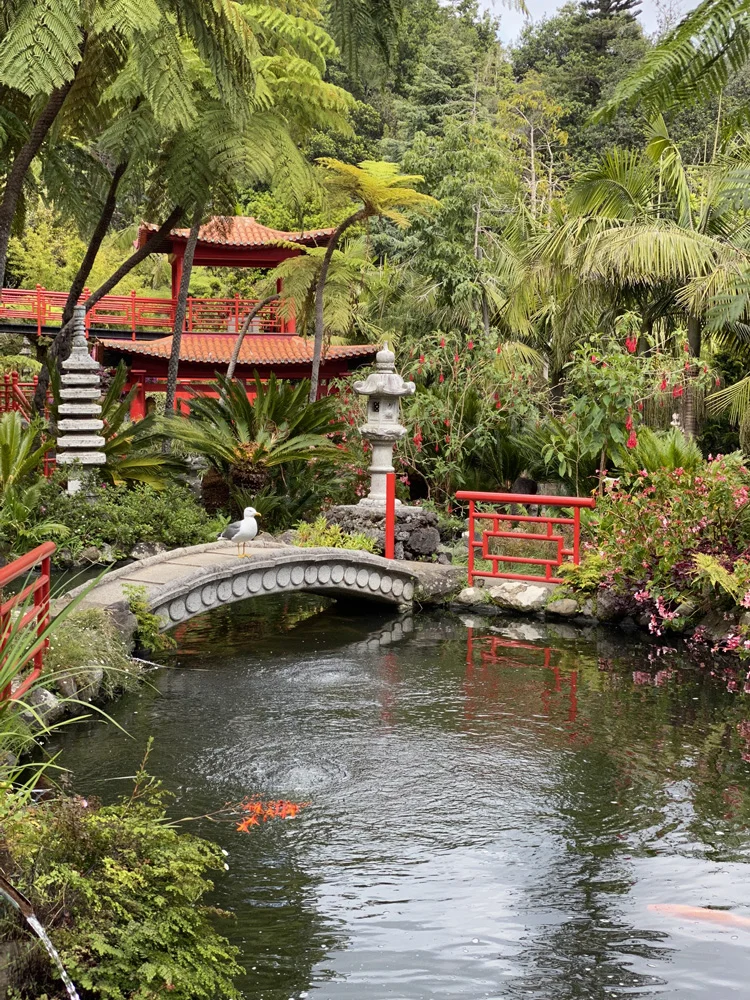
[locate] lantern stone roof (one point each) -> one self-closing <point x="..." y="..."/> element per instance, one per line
<point x="240" y="231"/>
<point x="257" y="349"/>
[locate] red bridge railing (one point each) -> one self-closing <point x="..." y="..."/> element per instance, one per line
<point x="31" y="607"/>
<point x="41" y="308"/>
<point x="488" y="525"/>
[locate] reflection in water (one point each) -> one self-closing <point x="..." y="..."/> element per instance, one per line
<point x="493" y="808"/>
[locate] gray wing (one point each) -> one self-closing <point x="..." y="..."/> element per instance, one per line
<point x="231" y="530"/>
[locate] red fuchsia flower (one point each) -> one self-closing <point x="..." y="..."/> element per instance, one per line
<point x="705" y="370"/>
<point x="687" y="366"/>
<point x="456" y="358"/>
<point x="632" y="441"/>
<point x="677" y="391"/>
<point x="442" y="341"/>
<point x="631" y="344"/>
<point x="447" y="439"/>
<point x="640" y="407"/>
<point x="470" y="345"/>
<point x="499" y="348"/>
<point x="717" y="381"/>
<point x="629" y="423"/>
<point x="421" y="359"/>
<point x="447" y="422"/>
<point x="594" y="359"/>
<point x="437" y="446"/>
<point x="663" y="387"/>
<point x="442" y="377"/>
<point x="685" y="347"/>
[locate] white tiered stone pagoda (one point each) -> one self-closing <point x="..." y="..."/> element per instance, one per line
<point x="80" y="444"/>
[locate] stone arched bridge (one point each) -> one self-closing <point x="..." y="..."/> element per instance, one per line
<point x="186" y="582"/>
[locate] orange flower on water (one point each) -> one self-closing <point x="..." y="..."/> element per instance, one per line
<point x="259" y="811"/>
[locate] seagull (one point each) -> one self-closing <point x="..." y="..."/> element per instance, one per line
<point x="243" y="531"/>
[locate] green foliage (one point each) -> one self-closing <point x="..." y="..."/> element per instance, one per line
<point x="587" y="575"/>
<point x="649" y="530"/>
<point x="320" y="534"/>
<point x="259" y="445"/>
<point x="122" y="516"/>
<point x="89" y="638"/>
<point x="121" y="893"/>
<point x="148" y="635"/>
<point x="667" y="450"/>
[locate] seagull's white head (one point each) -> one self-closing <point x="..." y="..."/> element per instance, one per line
<point x="251" y="512"/>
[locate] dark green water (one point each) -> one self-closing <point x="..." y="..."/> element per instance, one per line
<point x="493" y="806"/>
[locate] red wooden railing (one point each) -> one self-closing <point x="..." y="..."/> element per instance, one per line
<point x="32" y="604"/>
<point x="553" y="536"/>
<point x="41" y="308"/>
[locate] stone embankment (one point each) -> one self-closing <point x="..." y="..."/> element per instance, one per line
<point x="555" y="603"/>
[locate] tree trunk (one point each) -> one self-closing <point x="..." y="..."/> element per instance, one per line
<point x="21" y="164"/>
<point x="690" y="415"/>
<point x="180" y="310"/>
<point x="100" y="231"/>
<point x="59" y="349"/>
<point x="319" y="290"/>
<point x="245" y="327"/>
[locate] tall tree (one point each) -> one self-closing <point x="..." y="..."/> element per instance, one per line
<point x="383" y="192"/>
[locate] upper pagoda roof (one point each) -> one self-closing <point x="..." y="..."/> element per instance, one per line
<point x="225" y="237"/>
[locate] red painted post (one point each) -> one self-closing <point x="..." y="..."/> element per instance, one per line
<point x="471" y="544"/>
<point x="38" y="310"/>
<point x="132" y="306"/>
<point x="390" y="515"/>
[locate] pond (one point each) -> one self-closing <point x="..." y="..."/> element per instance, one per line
<point x="493" y="805"/>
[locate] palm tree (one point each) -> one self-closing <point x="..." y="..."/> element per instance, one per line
<point x="246" y="441"/>
<point x="645" y="233"/>
<point x="383" y="192"/>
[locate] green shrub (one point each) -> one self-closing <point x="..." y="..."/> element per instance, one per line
<point x="120" y="892"/>
<point x="148" y="635"/>
<point x="320" y="534"/>
<point x="122" y="516"/>
<point x="89" y="638"/>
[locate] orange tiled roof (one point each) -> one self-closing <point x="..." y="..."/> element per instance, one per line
<point x="257" y="348"/>
<point x="242" y="231"/>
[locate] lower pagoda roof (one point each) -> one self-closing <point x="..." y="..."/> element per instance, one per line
<point x="257" y="349"/>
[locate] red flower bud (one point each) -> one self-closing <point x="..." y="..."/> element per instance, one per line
<point x="663" y="385"/>
<point x="470" y="345"/>
<point x="442" y="341"/>
<point x="442" y="377"/>
<point x="629" y="423"/>
<point x="632" y="441"/>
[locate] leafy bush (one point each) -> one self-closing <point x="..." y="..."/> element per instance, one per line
<point x="320" y="534"/>
<point x="121" y="517"/>
<point x="120" y="891"/>
<point x="89" y="638"/>
<point x="148" y="634"/>
<point x="650" y="528"/>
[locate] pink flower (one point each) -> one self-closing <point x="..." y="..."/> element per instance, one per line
<point x="594" y="359"/>
<point x="677" y="391"/>
<point x="632" y="441"/>
<point x="629" y="423"/>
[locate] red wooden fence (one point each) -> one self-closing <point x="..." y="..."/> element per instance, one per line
<point x="489" y="522"/>
<point x="31" y="603"/>
<point x="40" y="308"/>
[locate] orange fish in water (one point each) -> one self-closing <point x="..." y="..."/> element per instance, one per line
<point x="261" y="812"/>
<point x="701" y="913"/>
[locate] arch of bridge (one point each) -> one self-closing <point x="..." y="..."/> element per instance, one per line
<point x="187" y="582"/>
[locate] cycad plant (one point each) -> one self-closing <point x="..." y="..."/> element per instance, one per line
<point x="254" y="444"/>
<point x="661" y="450"/>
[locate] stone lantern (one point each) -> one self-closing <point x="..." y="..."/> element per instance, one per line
<point x="384" y="388"/>
<point x="80" y="442"/>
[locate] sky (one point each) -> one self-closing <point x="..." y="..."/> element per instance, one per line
<point x="511" y="21"/>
